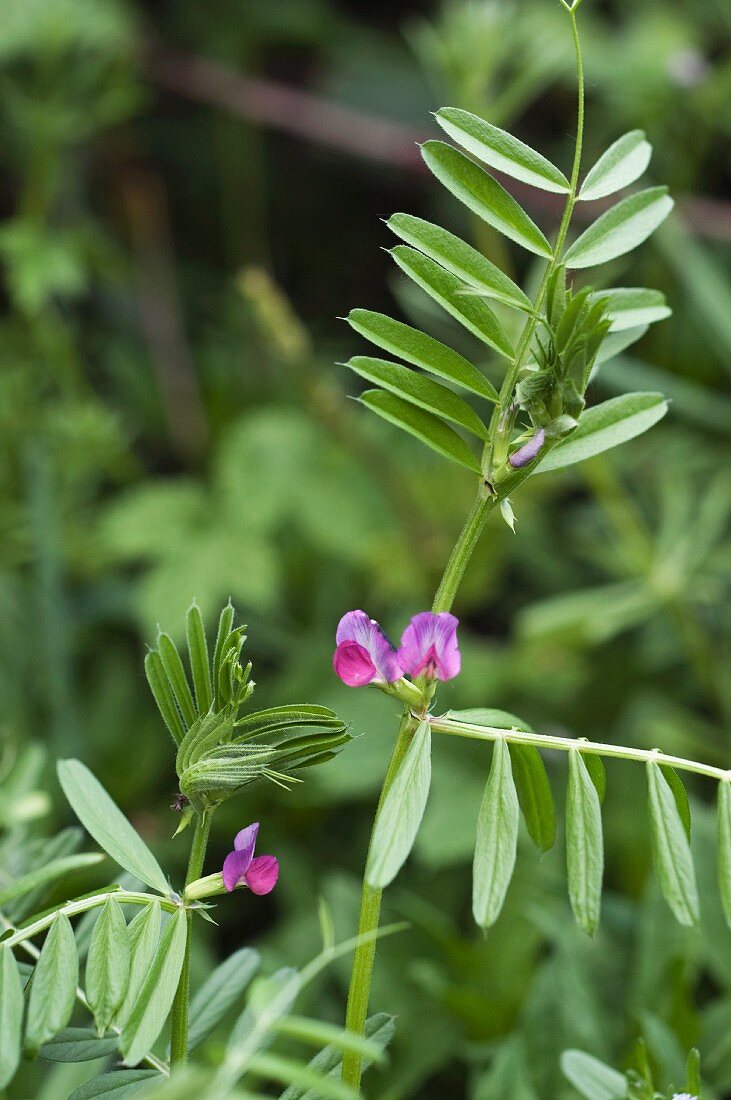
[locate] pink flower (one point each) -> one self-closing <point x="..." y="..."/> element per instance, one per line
<point x="364" y="654"/>
<point x="429" y="646"/>
<point x="240" y="867"/>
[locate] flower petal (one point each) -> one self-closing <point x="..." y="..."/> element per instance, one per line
<point x="262" y="875"/>
<point x="353" y="665"/>
<point x="235" y="866"/>
<point x="429" y="645"/>
<point x="356" y="627"/>
<point x="245" y="841"/>
<point x="528" y="451"/>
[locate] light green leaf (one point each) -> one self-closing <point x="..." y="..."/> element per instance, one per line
<point x="108" y="965"/>
<point x="670" y="849"/>
<point x="144" y="937"/>
<point x="460" y="258"/>
<point x="116" y="1084"/>
<point x="220" y="992"/>
<point x="199" y="664"/>
<point x="605" y="426"/>
<point x="155" y="998"/>
<point x="175" y="672"/>
<point x="584" y="844"/>
<point x="534" y="795"/>
<point x="619" y="166"/>
<point x="43" y="876"/>
<point x="53" y="986"/>
<point x="78" y="1044"/>
<point x="620" y="229"/>
<point x="448" y="291"/>
<point x="419" y="391"/>
<point x="400" y="814"/>
<point x="421" y="350"/>
<point x="497" y="839"/>
<point x="101" y="817"/>
<point x="423" y="425"/>
<point x="163" y="695"/>
<point x="632" y="306"/>
<point x="593" y="1079"/>
<point x="11" y="1015"/>
<point x="724" y="845"/>
<point x="484" y="196"/>
<point x="501" y="150"/>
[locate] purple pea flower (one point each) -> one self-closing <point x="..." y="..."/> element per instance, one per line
<point x="429" y="646"/>
<point x="528" y="451"/>
<point x="241" y="868"/>
<point x="364" y="654"/>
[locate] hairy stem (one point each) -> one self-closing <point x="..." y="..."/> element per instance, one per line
<point x="370" y="907"/>
<point x="181" y="1004"/>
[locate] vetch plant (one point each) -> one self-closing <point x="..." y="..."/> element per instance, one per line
<point x="137" y="968"/>
<point x="549" y="348"/>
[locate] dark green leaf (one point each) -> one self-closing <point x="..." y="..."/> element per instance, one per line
<point x="421" y="350"/>
<point x="225" y="623"/>
<point x="162" y="692"/>
<point x="419" y="391"/>
<point x="679" y="794"/>
<point x="501" y="150"/>
<point x="11" y="1015"/>
<point x="460" y="258"/>
<point x="173" y="668"/>
<point x="78" y="1044"/>
<point x="534" y="795"/>
<point x="101" y="817"/>
<point x="670" y="849"/>
<point x="584" y="844"/>
<point x="620" y="229"/>
<point x="497" y="839"/>
<point x="198" y="654"/>
<point x="448" y="291"/>
<point x="423" y="425"/>
<point x="53" y="987"/>
<point x="595" y="767"/>
<point x="484" y="196"/>
<point x="400" y="814"/>
<point x="604" y="426"/>
<point x="150" y="1010"/>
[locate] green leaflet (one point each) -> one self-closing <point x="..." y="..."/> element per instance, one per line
<point x="150" y="1010"/>
<point x="633" y="306"/>
<point x="620" y="229"/>
<point x="11" y="1015"/>
<point x="448" y="291"/>
<point x="275" y="719"/>
<point x="173" y="668"/>
<point x="220" y="992"/>
<point x="419" y="391"/>
<point x="501" y="150"/>
<point x="53" y="986"/>
<point x="584" y="844"/>
<point x="460" y="258"/>
<point x="621" y="164"/>
<point x="108" y="965"/>
<point x="680" y="795"/>
<point x="163" y="695"/>
<point x="144" y="936"/>
<point x="78" y="1044"/>
<point x="534" y="795"/>
<point x="724" y="846"/>
<point x="484" y="196"/>
<point x="400" y="814"/>
<point x="43" y="876"/>
<point x="670" y="849"/>
<point x="117" y="1084"/>
<point x="199" y="664"/>
<point x="437" y="435"/>
<point x="592" y="1078"/>
<point x="497" y="839"/>
<point x="101" y="817"/>
<point x="595" y="767"/>
<point x="421" y="350"/>
<point x="605" y="426"/>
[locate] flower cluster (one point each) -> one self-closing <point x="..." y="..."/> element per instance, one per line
<point x="364" y="655"/>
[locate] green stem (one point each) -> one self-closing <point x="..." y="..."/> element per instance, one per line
<point x="82" y="905"/>
<point x="370" y="906"/>
<point x="567" y="744"/>
<point x="179" y="1017"/>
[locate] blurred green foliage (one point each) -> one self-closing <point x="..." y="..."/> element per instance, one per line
<point x="172" y="426"/>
